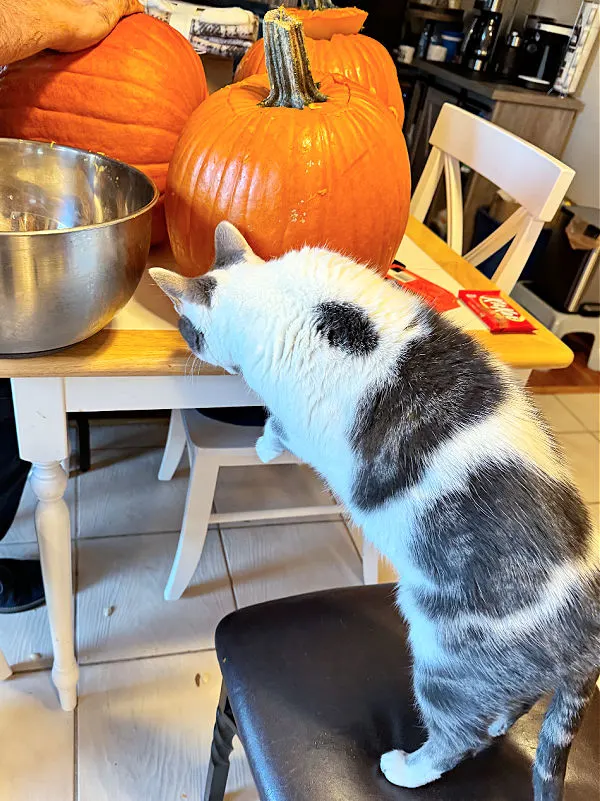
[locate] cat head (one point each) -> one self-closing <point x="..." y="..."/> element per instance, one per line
<point x="296" y="312"/>
<point x="207" y="314"/>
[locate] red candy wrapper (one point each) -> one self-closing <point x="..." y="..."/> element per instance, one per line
<point x="499" y="316"/>
<point x="436" y="296"/>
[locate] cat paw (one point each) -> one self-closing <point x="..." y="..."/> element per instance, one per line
<point x="393" y="767"/>
<point x="398" y="771"/>
<point x="266" y="451"/>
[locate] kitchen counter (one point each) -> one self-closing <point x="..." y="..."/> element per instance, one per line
<point x="493" y="90"/>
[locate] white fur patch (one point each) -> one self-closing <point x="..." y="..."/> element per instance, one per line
<point x="508" y="435"/>
<point x="555" y="595"/>
<point x="398" y="771"/>
<point x="423" y="631"/>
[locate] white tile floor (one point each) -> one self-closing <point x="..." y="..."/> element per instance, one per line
<point x="149" y="677"/>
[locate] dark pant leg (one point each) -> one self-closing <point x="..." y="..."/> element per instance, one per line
<point x="13" y="470"/>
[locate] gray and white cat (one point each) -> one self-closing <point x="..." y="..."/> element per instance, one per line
<point x="443" y="462"/>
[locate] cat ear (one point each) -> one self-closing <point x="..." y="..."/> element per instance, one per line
<point x="178" y="288"/>
<point x="231" y="247"/>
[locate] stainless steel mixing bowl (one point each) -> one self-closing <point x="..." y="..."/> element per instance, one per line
<point x="74" y="240"/>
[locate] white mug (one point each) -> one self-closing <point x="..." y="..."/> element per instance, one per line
<point x="436" y="53"/>
<point x="406" y="53"/>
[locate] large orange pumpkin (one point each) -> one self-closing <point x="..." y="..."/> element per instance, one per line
<point x="289" y="164"/>
<point x="354" y="55"/>
<point x="128" y="97"/>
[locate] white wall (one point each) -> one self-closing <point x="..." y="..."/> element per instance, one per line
<point x="583" y="148"/>
<point x="562" y="10"/>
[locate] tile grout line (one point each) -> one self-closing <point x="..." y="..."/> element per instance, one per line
<point x="75" y="606"/>
<point x="141" y="657"/>
<point x="76" y="753"/>
<point x="581" y="422"/>
<point x="332" y="518"/>
<point x="228" y="568"/>
<point x="147" y="656"/>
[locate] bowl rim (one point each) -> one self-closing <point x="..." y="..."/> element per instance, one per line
<point x="55" y="146"/>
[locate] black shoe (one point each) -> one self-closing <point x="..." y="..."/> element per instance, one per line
<point x="21" y="586"/>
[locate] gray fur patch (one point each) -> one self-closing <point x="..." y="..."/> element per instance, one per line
<point x="441" y="382"/>
<point x="506" y="515"/>
<point x="193" y="337"/>
<point x="230" y="247"/>
<point x="346" y="326"/>
<point x="277" y="427"/>
<point x="201" y="290"/>
<point x="561" y="719"/>
<point x="228" y="259"/>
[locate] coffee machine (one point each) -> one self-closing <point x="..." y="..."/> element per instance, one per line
<point x="545" y="43"/>
<point x="481" y="35"/>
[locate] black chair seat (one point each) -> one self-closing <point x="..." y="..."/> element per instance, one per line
<point x="320" y="687"/>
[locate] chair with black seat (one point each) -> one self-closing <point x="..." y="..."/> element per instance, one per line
<point x="319" y="686"/>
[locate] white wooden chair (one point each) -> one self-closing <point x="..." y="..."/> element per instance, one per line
<point x="534" y="179"/>
<point x="212" y="445"/>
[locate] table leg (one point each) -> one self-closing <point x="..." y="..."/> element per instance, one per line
<point x="49" y="482"/>
<point x="41" y="418"/>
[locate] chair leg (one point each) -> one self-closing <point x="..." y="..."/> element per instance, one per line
<point x="220" y="751"/>
<point x="594" y="359"/>
<point x="370" y="556"/>
<point x="198" y="506"/>
<point x="174" y="448"/>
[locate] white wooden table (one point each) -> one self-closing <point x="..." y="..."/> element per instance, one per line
<point x="139" y="362"/>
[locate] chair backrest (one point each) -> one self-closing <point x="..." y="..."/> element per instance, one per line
<point x="536" y="180"/>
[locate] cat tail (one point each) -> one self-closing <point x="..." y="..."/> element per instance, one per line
<point x="559" y="727"/>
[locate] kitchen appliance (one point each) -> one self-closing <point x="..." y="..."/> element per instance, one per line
<point x="74" y="240"/>
<point x="481" y="35"/>
<point x="544" y="46"/>
<point x="506" y="60"/>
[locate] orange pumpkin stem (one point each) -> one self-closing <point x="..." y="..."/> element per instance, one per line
<point x="317" y="5"/>
<point x="288" y="68"/>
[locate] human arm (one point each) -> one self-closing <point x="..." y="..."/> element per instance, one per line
<point x="67" y="25"/>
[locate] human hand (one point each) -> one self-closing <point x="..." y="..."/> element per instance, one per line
<point x="81" y="23"/>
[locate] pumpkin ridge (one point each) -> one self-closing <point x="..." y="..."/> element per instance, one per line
<point x="229" y="149"/>
<point x="182" y="116"/>
<point x="144" y="55"/>
<point x="97" y="118"/>
<point x="209" y="144"/>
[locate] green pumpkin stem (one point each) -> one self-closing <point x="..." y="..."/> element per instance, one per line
<point x="316" y="5"/>
<point x="288" y="68"/>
